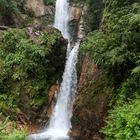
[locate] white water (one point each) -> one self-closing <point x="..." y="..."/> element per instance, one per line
<point x="62" y="17"/>
<point x="60" y="121"/>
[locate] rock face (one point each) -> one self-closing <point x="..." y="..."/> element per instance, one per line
<point x="93" y="16"/>
<point x="52" y="98"/>
<point x="37" y="6"/>
<point x="90" y="105"/>
<point x="76" y="21"/>
<point x="75" y="13"/>
<point x="28" y="13"/>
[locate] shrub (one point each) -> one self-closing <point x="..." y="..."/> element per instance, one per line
<point x="123" y="122"/>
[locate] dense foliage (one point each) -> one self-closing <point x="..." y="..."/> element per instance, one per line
<point x="116" y="45"/>
<point x="123" y="121"/>
<point x="115" y="49"/>
<point x="27" y="70"/>
<point x="8" y="9"/>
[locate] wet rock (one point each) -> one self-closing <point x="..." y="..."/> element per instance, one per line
<point x="75" y="13"/>
<point x="52" y="98"/>
<point x="76" y="24"/>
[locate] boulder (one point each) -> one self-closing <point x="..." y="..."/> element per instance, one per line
<point x="37" y="6"/>
<point x="91" y="105"/>
<point x="75" y="13"/>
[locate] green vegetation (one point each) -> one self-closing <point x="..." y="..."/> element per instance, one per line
<point x="115" y="50"/>
<point x="123" y="121"/>
<point x="27" y="70"/>
<point x="8" y="9"/>
<point x="30" y="66"/>
<point x="116" y="45"/>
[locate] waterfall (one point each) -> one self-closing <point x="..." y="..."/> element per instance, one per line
<point x="62" y="17"/>
<point x="60" y="121"/>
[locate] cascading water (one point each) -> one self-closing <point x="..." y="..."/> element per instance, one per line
<point x="60" y="121"/>
<point x="62" y="17"/>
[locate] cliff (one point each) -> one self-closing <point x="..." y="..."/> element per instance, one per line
<point x="108" y="71"/>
